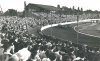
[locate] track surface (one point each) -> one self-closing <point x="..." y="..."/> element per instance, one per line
<point x="93" y="29"/>
<point x="68" y="33"/>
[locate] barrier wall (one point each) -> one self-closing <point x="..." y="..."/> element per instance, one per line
<point x="80" y="21"/>
<point x="52" y="25"/>
<point x="87" y="20"/>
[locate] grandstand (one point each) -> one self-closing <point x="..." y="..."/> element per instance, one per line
<point x="31" y="8"/>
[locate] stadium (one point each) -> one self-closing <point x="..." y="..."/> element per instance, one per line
<point x="48" y="33"/>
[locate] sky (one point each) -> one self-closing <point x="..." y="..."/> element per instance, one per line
<point x="19" y="4"/>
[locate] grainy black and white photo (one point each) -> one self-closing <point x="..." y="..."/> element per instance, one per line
<point x="49" y="30"/>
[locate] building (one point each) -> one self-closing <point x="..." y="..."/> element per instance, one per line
<point x="31" y="8"/>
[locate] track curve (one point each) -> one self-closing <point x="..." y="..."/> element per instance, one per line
<point x="68" y="33"/>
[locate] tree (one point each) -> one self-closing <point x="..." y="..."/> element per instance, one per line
<point x="88" y="11"/>
<point x="58" y="6"/>
<point x="59" y="11"/>
<point x="81" y="11"/>
<point x="73" y="8"/>
<point x="78" y="9"/>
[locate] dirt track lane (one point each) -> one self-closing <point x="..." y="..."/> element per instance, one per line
<point x="69" y="34"/>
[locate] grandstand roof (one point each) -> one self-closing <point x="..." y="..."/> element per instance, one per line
<point x="45" y="7"/>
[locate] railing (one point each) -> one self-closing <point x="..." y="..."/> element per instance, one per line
<point x="80" y="21"/>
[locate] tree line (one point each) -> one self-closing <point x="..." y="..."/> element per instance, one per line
<point x="61" y="10"/>
<point x="72" y="11"/>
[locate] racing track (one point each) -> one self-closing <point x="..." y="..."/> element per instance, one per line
<point x="68" y="33"/>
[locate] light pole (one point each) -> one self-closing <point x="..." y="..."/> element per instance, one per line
<point x="52" y="12"/>
<point x="51" y="23"/>
<point x="77" y="27"/>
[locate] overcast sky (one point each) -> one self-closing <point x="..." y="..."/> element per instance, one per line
<point x="19" y="4"/>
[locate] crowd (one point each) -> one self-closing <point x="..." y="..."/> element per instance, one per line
<point x="59" y="18"/>
<point x="15" y="37"/>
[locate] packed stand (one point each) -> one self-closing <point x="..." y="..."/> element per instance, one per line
<point x="53" y="18"/>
